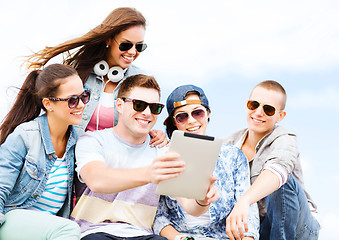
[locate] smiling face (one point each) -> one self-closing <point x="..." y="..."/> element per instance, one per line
<point x="258" y="122"/>
<point x="192" y="125"/>
<point x="115" y="57"/>
<point x="134" y="126"/>
<point x="60" y="111"/>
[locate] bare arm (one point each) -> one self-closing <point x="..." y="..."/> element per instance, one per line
<point x="266" y="183"/>
<point x="102" y="179"/>
<point x="198" y="207"/>
<point x="169" y="232"/>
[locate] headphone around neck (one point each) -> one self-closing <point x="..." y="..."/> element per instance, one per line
<point x="114" y="74"/>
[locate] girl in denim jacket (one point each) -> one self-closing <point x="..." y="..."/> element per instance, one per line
<point x="37" y="156"/>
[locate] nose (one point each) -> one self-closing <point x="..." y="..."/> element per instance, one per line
<point x="147" y="111"/>
<point x="259" y="110"/>
<point x="80" y="104"/>
<point x="132" y="51"/>
<point x="191" y="119"/>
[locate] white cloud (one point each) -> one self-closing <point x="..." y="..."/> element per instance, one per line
<point x="329" y="223"/>
<point x="317" y="99"/>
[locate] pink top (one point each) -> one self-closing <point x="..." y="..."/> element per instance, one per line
<point x="103" y="116"/>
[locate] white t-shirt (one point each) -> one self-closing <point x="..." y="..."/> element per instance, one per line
<point x="106" y="146"/>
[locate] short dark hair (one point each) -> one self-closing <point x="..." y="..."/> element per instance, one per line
<point x="274" y="86"/>
<point x="139" y="80"/>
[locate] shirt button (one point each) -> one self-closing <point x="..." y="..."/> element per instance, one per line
<point x="85" y="117"/>
<point x="50" y="156"/>
<point x="95" y="97"/>
<point x="34" y="173"/>
<point x="14" y="206"/>
<point x="35" y="195"/>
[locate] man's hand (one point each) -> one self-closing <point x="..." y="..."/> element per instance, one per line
<point x="165" y="167"/>
<point x="236" y="222"/>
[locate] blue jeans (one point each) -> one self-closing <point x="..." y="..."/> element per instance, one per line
<point x="288" y="214"/>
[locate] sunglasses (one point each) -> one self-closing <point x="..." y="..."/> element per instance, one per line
<point x="125" y="46"/>
<point x="197" y="114"/>
<point x="268" y="109"/>
<point x="73" y="101"/>
<point x="140" y="106"/>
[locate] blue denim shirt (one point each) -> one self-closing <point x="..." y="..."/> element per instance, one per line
<point x="96" y="85"/>
<point x="26" y="158"/>
<point x="233" y="179"/>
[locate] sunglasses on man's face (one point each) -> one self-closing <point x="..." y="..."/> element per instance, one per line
<point x="125" y="46"/>
<point x="140" y="106"/>
<point x="268" y="109"/>
<point x="197" y="114"/>
<point x="73" y="101"/>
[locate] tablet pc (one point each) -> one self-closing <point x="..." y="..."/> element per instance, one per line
<point x="200" y="153"/>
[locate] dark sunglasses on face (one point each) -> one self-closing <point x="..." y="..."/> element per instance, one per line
<point x="125" y="46"/>
<point x="197" y="114"/>
<point x="140" y="106"/>
<point x="268" y="109"/>
<point x="73" y="101"/>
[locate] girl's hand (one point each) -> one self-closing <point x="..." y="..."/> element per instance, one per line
<point x="158" y="138"/>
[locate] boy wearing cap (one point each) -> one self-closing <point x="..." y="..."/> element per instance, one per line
<point x="189" y="111"/>
<point x="275" y="170"/>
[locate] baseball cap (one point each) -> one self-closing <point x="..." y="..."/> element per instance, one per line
<point x="177" y="98"/>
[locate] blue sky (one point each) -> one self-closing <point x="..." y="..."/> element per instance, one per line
<point x="225" y="47"/>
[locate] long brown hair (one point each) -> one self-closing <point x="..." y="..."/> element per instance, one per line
<point x="92" y="44"/>
<point x="28" y="104"/>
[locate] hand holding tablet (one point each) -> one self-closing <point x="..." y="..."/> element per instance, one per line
<point x="200" y="152"/>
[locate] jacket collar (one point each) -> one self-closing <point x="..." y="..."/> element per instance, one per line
<point x="46" y="135"/>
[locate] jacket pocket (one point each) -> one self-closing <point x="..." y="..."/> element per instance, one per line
<point x="27" y="183"/>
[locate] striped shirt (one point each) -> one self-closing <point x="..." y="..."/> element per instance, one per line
<point x="55" y="192"/>
<point x="128" y="213"/>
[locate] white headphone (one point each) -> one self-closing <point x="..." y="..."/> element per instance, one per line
<point x="114" y="74"/>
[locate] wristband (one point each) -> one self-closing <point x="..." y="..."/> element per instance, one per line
<point x="202" y="205"/>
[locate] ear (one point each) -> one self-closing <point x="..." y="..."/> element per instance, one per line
<point x="108" y="42"/>
<point x="282" y="115"/>
<point x="119" y="105"/>
<point x="47" y="104"/>
<point x="208" y="116"/>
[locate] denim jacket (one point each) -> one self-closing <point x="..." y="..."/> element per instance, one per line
<point x="96" y="85"/>
<point x="26" y="158"/>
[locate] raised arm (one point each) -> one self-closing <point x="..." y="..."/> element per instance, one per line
<point x="99" y="178"/>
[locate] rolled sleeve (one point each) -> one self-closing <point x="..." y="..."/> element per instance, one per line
<point x="282" y="157"/>
<point x="161" y="218"/>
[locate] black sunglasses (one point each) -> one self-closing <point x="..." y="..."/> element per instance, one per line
<point x="268" y="109"/>
<point x="73" y="101"/>
<point x="125" y="46"/>
<point x="140" y="106"/>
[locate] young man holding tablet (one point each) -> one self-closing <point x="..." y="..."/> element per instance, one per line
<point x="121" y="170"/>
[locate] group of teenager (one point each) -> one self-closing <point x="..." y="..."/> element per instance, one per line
<point x="79" y="158"/>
